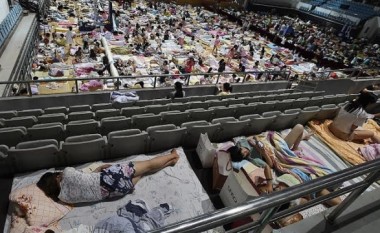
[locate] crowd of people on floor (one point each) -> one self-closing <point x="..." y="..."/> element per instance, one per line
<point x="158" y="38"/>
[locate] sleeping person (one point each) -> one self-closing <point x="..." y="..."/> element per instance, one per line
<point x="107" y="181"/>
<point x="347" y="125"/>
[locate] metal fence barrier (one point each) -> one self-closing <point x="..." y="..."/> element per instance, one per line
<point x="268" y="205"/>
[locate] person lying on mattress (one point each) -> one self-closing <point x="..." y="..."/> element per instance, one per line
<point x="347" y="125"/>
<point x="107" y="181"/>
<point x="276" y="155"/>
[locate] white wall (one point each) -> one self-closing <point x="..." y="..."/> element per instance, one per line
<point x="4" y="9"/>
<point x="373" y="26"/>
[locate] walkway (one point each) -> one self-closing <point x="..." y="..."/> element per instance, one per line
<point x="10" y="55"/>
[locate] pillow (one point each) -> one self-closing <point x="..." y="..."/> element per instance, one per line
<point x="39" y="209"/>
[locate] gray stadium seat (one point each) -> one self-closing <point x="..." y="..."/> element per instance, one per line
<point x="215" y="103"/>
<point x="242" y="95"/>
<point x="229" y="128"/>
<point x="143" y="103"/>
<point x="222" y="111"/>
<point x="50" y="118"/>
<point x="53" y="110"/>
<point x="300" y="103"/>
<point x="127" y="142"/>
<point x="26" y="121"/>
<point x="282" y="96"/>
<point x="96" y="107"/>
<point x="307" y="114"/>
<point x="200" y="114"/>
<point x="212" y="97"/>
<point x="264" y="107"/>
<point x="46" y="131"/>
<point x="35" y="155"/>
<point x="272" y="113"/>
<point x="176" y="118"/>
<point x="328" y="111"/>
<point x="235" y="101"/>
<point x="143" y="121"/>
<point x="83" y="149"/>
<point x="30" y="112"/>
<point x="283" y="105"/>
<point x="74" y="128"/>
<point x="11" y="136"/>
<point x="103" y="113"/>
<point x="315" y="101"/>
<point x="329" y="99"/>
<point x="197" y="98"/>
<point x="163" y="137"/>
<point x="8" y="114"/>
<point x="198" y="104"/>
<point x="118" y="105"/>
<point x="296" y="95"/>
<point x="194" y="130"/>
<point x="79" y="108"/>
<point x="110" y="124"/>
<point x="181" y="100"/>
<point x="241" y="109"/>
<point x="307" y="94"/>
<point x="178" y="106"/>
<point x="77" y="116"/>
<point x="156" y="109"/>
<point x="130" y="111"/>
<point x="284" y="121"/>
<point x="340" y="98"/>
<point x="255" y="99"/>
<point x="162" y="101"/>
<point x="257" y="123"/>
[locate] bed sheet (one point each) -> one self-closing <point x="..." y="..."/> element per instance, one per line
<point x="177" y="186"/>
<point x="348" y="151"/>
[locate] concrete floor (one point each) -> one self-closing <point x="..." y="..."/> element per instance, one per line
<point x="10" y="55"/>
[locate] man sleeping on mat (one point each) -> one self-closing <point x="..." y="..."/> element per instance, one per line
<point x="107" y="181"/>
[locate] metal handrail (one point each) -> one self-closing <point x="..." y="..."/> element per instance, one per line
<point x="268" y="203"/>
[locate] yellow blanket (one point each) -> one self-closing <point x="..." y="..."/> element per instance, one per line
<point x="348" y="151"/>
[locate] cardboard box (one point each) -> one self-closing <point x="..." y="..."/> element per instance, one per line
<point x="220" y="169"/>
<point x="238" y="189"/>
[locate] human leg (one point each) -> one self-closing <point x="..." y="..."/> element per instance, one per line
<point x="153" y="165"/>
<point x="360" y="134"/>
<point x="294" y="137"/>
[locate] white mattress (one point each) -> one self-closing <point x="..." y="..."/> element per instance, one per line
<point x="177" y="186"/>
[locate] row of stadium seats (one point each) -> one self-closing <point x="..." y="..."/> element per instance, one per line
<point x="29" y="121"/>
<point x="47" y="153"/>
<point x="142" y="103"/>
<point x="10" y="136"/>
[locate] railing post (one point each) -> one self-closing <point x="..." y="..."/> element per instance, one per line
<point x="118" y="84"/>
<point x="188" y="80"/>
<point x="155" y="82"/>
<point x="372" y="177"/>
<point x="76" y="86"/>
<point x="217" y="79"/>
<point x="266" y="216"/>
<point x="29" y="88"/>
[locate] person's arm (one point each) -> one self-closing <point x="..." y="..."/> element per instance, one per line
<point x="100" y="168"/>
